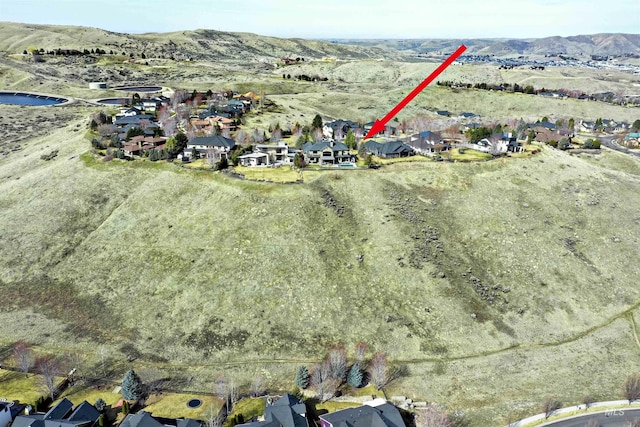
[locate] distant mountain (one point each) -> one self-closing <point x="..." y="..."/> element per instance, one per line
<point x="198" y="44"/>
<point x="597" y="44"/>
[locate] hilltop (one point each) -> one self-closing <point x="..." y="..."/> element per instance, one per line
<point x="195" y="45"/>
<point x="596" y="44"/>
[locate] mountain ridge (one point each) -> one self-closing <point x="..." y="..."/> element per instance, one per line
<point x="593" y="44"/>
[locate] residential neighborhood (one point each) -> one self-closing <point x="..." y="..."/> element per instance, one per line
<point x="208" y="127"/>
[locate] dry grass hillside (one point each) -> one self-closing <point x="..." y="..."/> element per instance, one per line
<point x="492" y="282"/>
<point x="495" y="284"/>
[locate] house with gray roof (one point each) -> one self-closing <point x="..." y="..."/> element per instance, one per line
<point x="287" y="411"/>
<point x="427" y="143"/>
<point x="219" y="144"/>
<point x="145" y="419"/>
<point x="326" y="152"/>
<point x="61" y="415"/>
<point x="9" y="410"/>
<point x="388" y="150"/>
<point x="377" y="413"/>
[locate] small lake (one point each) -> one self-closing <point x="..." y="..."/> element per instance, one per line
<point x="114" y="101"/>
<point x="19" y="98"/>
<point x="139" y="88"/>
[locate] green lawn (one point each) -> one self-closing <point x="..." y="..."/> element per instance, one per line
<point x="248" y="407"/>
<point x="468" y="155"/>
<point x="78" y="395"/>
<point x="172" y="405"/>
<point x="17" y="386"/>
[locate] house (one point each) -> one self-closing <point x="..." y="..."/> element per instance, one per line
<point x="546" y="125"/>
<point x="326" y="152"/>
<point x="443" y="113"/>
<point x="387" y="129"/>
<point x="632" y="139"/>
<point x="9" y="410"/>
<point x="219" y="144"/>
<point x="267" y="155"/>
<point x="223" y="122"/>
<point x="493" y="146"/>
<point x="287" y="411"/>
<point x="61" y="415"/>
<point x="145" y="419"/>
<point x="467" y="115"/>
<point x="377" y="413"/>
<point x="339" y="128"/>
<point x="388" y="150"/>
<point x="427" y="142"/>
<point x="586" y="126"/>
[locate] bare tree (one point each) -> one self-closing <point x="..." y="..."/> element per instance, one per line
<point x="221" y="390"/>
<point x="322" y="381"/>
<point x="23" y="355"/>
<point x="361" y="351"/>
<point x="379" y="370"/>
<point x="257" y="136"/>
<point x="338" y="363"/>
<point x="431" y="416"/>
<point x="276" y="136"/>
<point x="226" y="133"/>
<point x="318" y="136"/>
<point x="241" y="137"/>
<point x="257" y="385"/>
<point x="632" y="387"/>
<point x="48" y="367"/>
<point x="550" y="405"/>
<point x="191" y="133"/>
<point x="215" y="418"/>
<point x="106" y="130"/>
<point x="103" y="355"/>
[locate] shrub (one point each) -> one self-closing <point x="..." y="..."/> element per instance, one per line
<point x="100" y="404"/>
<point x="550" y="405"/>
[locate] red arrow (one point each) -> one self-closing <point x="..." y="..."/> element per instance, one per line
<point x="379" y="125"/>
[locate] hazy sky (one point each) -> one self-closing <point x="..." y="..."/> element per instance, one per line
<point x="340" y="18"/>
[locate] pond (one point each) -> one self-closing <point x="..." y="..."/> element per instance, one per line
<point x="114" y="101"/>
<point x="139" y="88"/>
<point x="20" y="98"/>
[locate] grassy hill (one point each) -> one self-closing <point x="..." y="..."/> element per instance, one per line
<point x="198" y="44"/>
<point x="493" y="282"/>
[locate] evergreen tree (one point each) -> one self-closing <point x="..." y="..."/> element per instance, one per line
<point x="302" y="377"/>
<point x="572" y="124"/>
<point x="100" y="405"/>
<point x="131" y="386"/>
<point x="354" y="379"/>
<point x="317" y="122"/>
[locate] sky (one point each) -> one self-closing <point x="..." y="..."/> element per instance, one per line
<point x="328" y="19"/>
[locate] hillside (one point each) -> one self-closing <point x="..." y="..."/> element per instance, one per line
<point x="467" y="269"/>
<point x="597" y="44"/>
<point x="196" y="45"/>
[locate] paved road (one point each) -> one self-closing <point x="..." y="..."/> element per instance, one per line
<point x="613" y="418"/>
<point x="608" y="141"/>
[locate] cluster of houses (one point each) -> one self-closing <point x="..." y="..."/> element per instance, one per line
<point x="287" y="411"/>
<point x="210" y="133"/>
